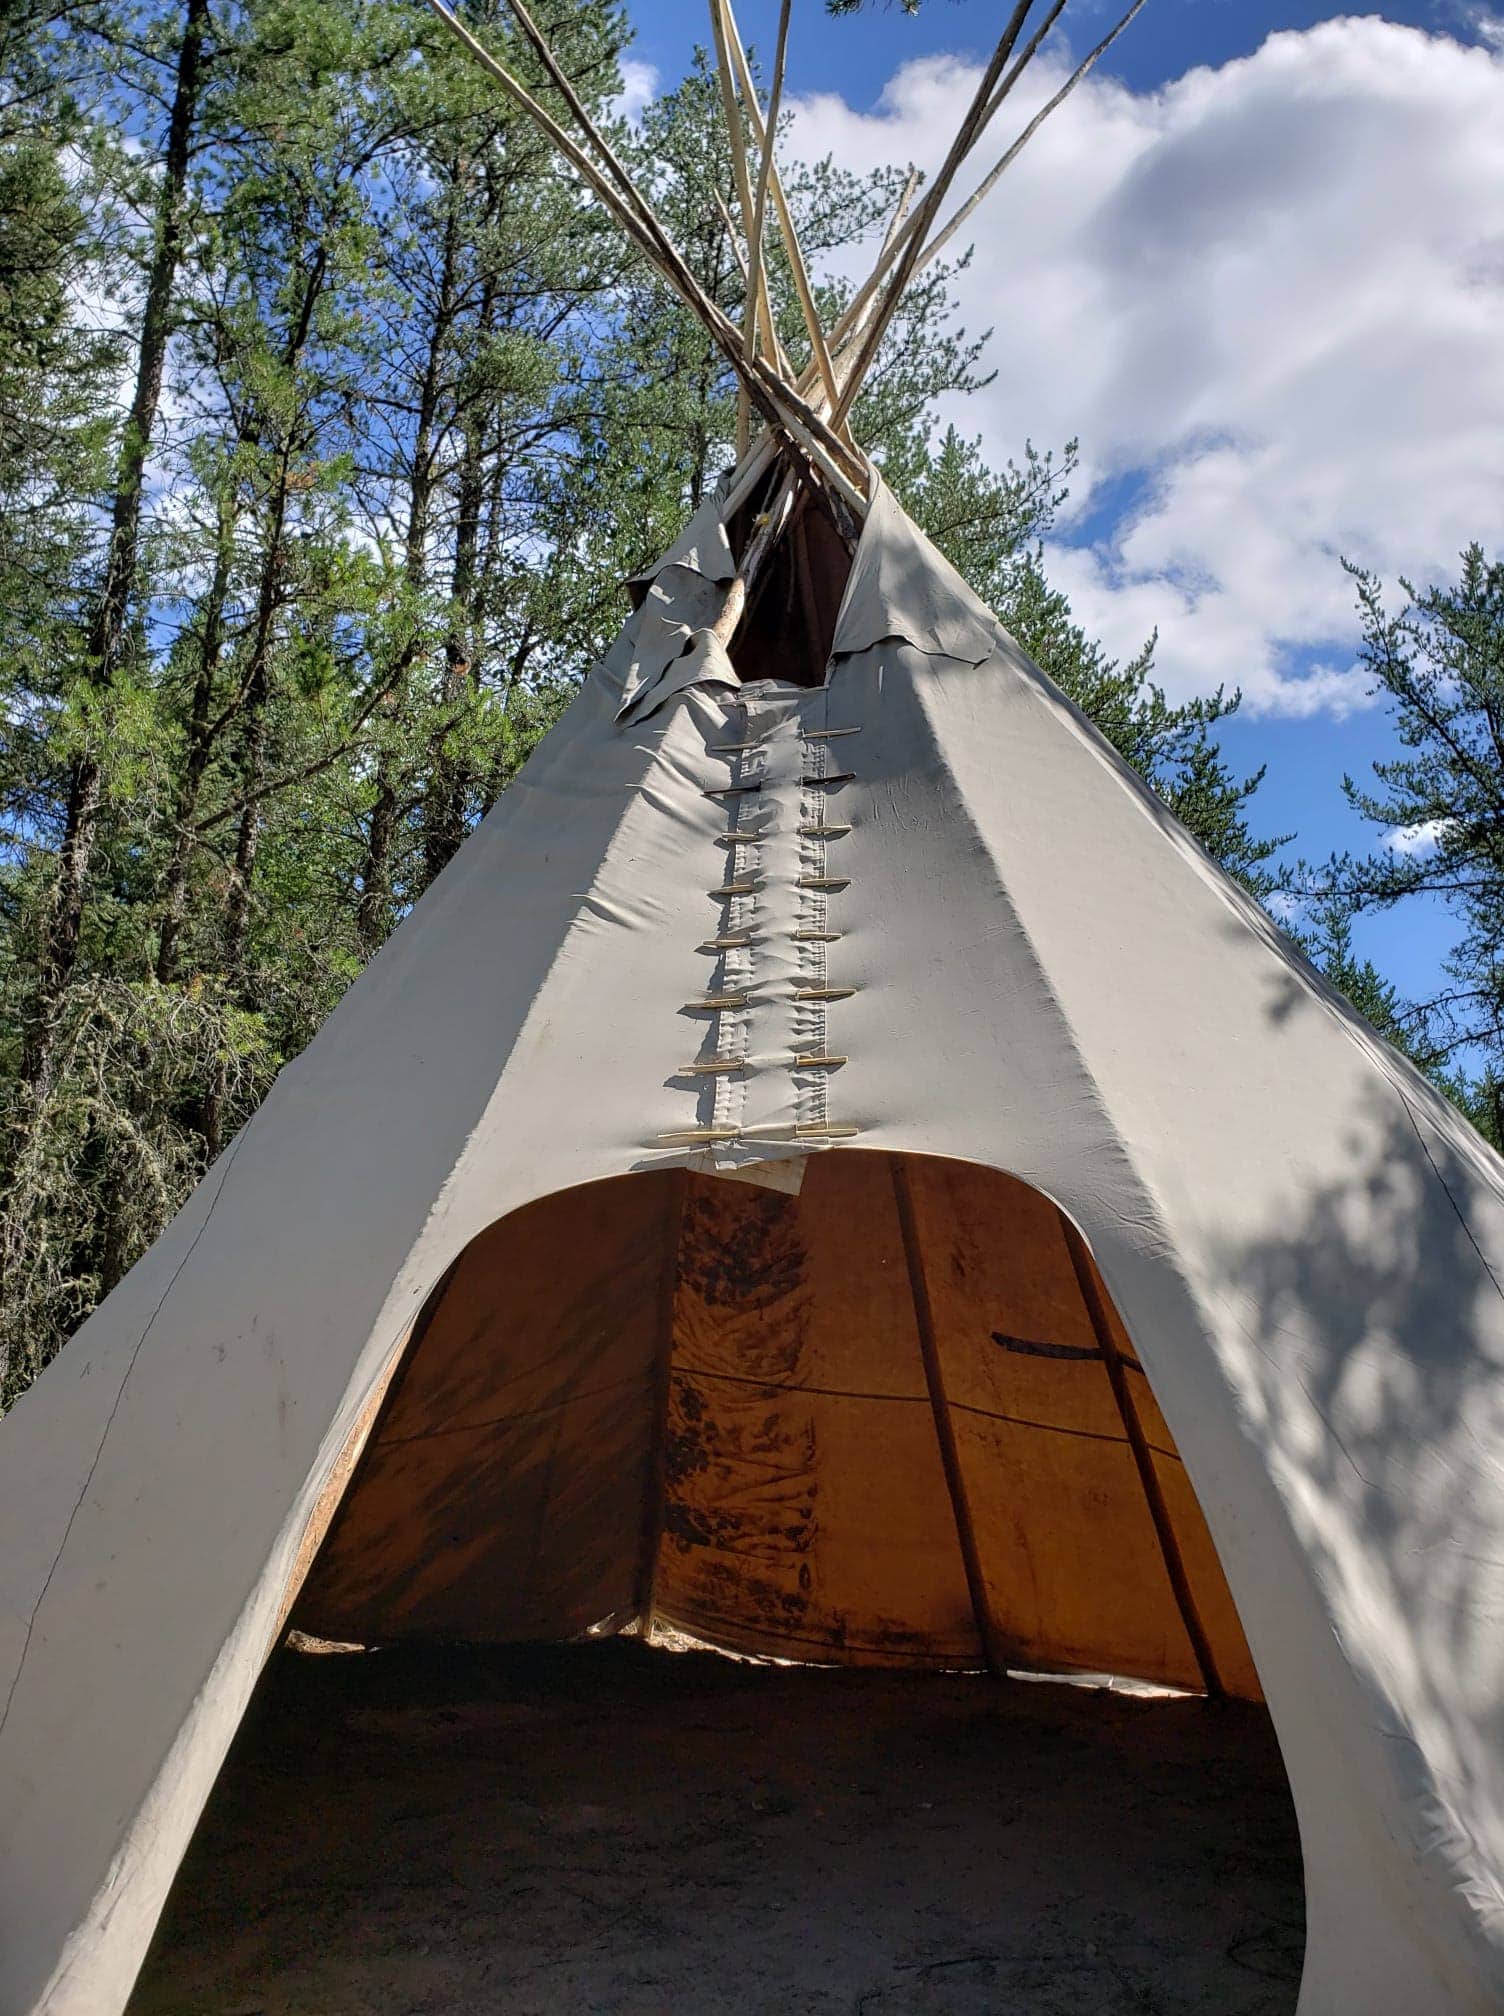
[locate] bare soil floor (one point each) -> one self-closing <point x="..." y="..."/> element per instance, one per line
<point x="605" y="1827"/>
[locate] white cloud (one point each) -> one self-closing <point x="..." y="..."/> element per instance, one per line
<point x="639" y="86"/>
<point x="1422" y="838"/>
<point x="1268" y="299"/>
<point x="1486" y="24"/>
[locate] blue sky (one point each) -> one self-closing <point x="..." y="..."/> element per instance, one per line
<point x="1263" y="281"/>
<point x="857" y="56"/>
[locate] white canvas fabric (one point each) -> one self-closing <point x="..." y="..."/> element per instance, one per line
<point x="1046" y="977"/>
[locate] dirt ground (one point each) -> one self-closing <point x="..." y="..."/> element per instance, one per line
<point x="611" y="1828"/>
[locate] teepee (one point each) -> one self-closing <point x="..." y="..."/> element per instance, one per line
<point x="832" y="1166"/>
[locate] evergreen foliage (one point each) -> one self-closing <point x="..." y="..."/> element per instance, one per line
<point x="332" y="417"/>
<point x="1439" y="663"/>
<point x="991" y="525"/>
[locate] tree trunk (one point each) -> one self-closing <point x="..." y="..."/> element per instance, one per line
<point x="196" y="755"/>
<point x="62" y="927"/>
<point x="449" y="778"/>
<point x="373" y="910"/>
<point x="256" y="691"/>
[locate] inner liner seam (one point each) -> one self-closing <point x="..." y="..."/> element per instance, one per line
<point x="921" y="1400"/>
<point x="509" y="1420"/>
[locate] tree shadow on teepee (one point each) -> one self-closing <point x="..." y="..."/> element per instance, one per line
<point x="1203" y="1394"/>
<point x="1406" y="1440"/>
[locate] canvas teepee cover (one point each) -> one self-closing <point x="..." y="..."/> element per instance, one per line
<point x="1107" y="1292"/>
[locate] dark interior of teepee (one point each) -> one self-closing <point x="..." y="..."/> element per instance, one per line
<point x="789" y="623"/>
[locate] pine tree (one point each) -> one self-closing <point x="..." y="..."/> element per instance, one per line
<point x="991" y="525"/>
<point x="1439" y="662"/>
<point x="305" y="550"/>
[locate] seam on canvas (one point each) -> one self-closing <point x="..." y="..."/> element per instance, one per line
<point x="736" y="968"/>
<point x="750" y="766"/>
<point x="1425" y="1149"/>
<point x="36" y="1608"/>
<point x="692" y="1372"/>
<point x="811" y="1020"/>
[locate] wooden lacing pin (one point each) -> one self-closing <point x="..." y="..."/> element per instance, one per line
<point x="823" y="993"/>
<point x="835" y="777"/>
<point x="832" y="1132"/>
<point x="816" y="937"/>
<point x="720" y="1001"/>
<point x="688" y="1136"/>
<point x="817" y="1060"/>
<point x="737" y="839"/>
<point x="824" y="881"/>
<point x="728" y="889"/>
<point x="732" y="790"/>
<point x="731" y="944"/>
<point x="823" y="832"/>
<point x="714" y="1067"/>
<point x="732" y="748"/>
<point x="828" y="734"/>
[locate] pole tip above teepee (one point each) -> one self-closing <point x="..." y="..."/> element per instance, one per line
<point x="807" y="415"/>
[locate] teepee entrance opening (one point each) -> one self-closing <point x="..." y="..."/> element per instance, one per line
<point x="888" y="1423"/>
<point x="890" y="1419"/>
